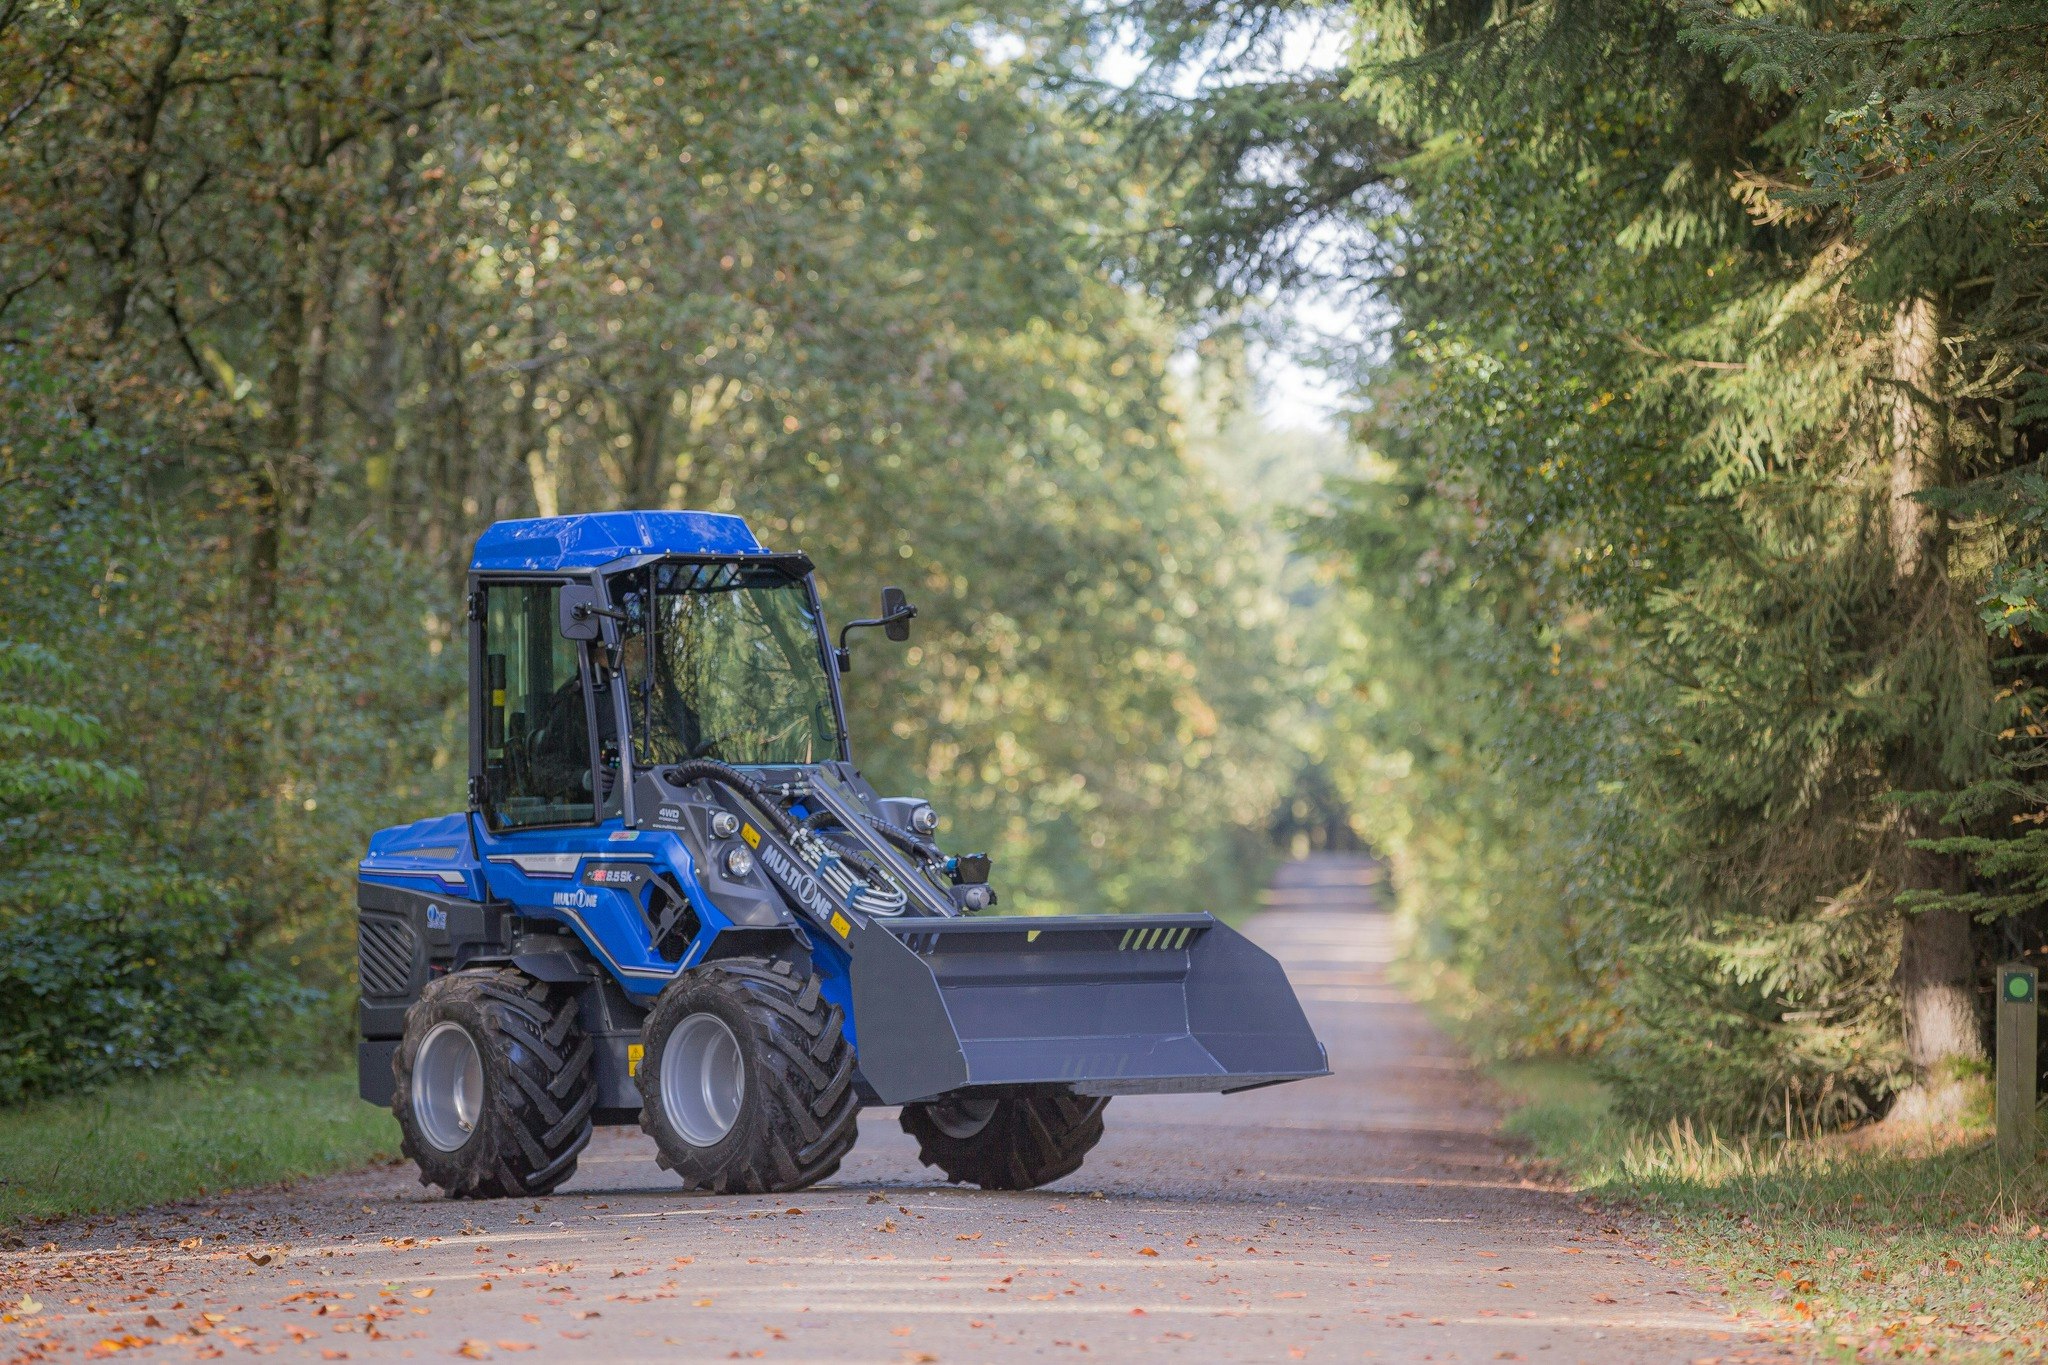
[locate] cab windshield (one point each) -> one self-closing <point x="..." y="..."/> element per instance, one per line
<point x="722" y="661"/>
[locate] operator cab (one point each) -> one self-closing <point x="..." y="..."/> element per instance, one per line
<point x="612" y="644"/>
<point x="615" y="650"/>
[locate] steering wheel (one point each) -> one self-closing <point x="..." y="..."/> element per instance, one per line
<point x="706" y="746"/>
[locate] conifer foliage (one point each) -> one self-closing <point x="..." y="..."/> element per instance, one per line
<point x="1704" y="449"/>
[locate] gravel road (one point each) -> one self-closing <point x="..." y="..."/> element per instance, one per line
<point x="1368" y="1215"/>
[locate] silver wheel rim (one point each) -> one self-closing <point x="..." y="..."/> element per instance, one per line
<point x="703" y="1080"/>
<point x="962" y="1118"/>
<point x="447" y="1086"/>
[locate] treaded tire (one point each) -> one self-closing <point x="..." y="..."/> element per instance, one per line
<point x="796" y="1117"/>
<point x="1027" y="1142"/>
<point x="538" y="1084"/>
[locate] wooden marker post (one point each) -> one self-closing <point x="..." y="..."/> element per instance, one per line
<point x="2019" y="990"/>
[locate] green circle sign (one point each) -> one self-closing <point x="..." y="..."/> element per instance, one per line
<point x="2017" y="987"/>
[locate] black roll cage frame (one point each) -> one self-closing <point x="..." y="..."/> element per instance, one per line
<point x="796" y="566"/>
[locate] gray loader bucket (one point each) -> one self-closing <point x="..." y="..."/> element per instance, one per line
<point x="1101" y="1004"/>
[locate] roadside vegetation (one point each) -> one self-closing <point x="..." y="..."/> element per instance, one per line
<point x="1917" y="1247"/>
<point x="151" y="1140"/>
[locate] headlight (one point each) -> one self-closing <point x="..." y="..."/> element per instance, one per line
<point x="924" y="819"/>
<point x="738" y="861"/>
<point x="724" y="824"/>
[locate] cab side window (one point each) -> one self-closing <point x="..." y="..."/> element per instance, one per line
<point x="536" y="726"/>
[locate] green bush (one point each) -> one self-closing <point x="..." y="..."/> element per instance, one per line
<point x="113" y="960"/>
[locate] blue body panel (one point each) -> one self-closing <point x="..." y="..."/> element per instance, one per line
<point x="551" y="544"/>
<point x="435" y="856"/>
<point x="455" y="856"/>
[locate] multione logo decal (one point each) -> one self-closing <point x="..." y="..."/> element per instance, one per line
<point x="576" y="900"/>
<point x="795" y="880"/>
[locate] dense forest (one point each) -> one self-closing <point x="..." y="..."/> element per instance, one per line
<point x="1696" y="541"/>
<point x="296" y="299"/>
<point x="1673" y="623"/>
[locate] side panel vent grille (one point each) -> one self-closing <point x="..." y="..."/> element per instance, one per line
<point x="385" y="949"/>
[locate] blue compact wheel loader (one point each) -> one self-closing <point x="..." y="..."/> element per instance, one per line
<point x="675" y="901"/>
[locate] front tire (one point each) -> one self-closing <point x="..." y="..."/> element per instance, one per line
<point x="494" y="1085"/>
<point x="1016" y="1143"/>
<point x="747" y="1080"/>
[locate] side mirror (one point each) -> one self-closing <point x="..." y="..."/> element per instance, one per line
<point x="576" y="614"/>
<point x="896" y="614"/>
<point x="894" y="621"/>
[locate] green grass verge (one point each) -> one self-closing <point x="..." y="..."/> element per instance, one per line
<point x="1931" y="1252"/>
<point x="176" y="1137"/>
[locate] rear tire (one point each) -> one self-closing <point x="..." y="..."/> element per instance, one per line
<point x="494" y="1084"/>
<point x="1015" y="1143"/>
<point x="747" y="1079"/>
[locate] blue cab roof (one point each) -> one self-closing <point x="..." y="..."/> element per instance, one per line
<point x="545" y="544"/>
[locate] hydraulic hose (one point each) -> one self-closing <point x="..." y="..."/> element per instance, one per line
<point x="710" y="770"/>
<point x="906" y="841"/>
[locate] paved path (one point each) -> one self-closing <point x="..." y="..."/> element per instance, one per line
<point x="1369" y="1215"/>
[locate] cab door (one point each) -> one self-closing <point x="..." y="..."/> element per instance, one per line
<point x="533" y="731"/>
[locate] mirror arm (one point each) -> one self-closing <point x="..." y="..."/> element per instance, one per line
<point x="891" y="619"/>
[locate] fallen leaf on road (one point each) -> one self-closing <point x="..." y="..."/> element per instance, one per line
<point x="329" y="1353"/>
<point x="1603" y="1298"/>
<point x="1297" y="1352"/>
<point x="795" y="1212"/>
<point x="264" y="1259"/>
<point x="703" y="1303"/>
<point x="592" y="1312"/>
<point x="1137" y="1312"/>
<point x="920" y="1358"/>
<point x="485" y="1285"/>
<point x="967" y="1237"/>
<point x="1147" y="1251"/>
<point x="29" y="1305"/>
<point x="899" y="1331"/>
<point x="888" y="1225"/>
<point x="110" y="1345"/>
<point x="427" y="1293"/>
<point x="1507" y="1284"/>
<point x="475" y="1350"/>
<point x="574" y="1336"/>
<point x="191" y="1244"/>
<point x="515" y="1346"/>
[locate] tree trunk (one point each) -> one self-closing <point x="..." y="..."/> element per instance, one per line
<point x="1936" y="961"/>
<point x="127" y="187"/>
